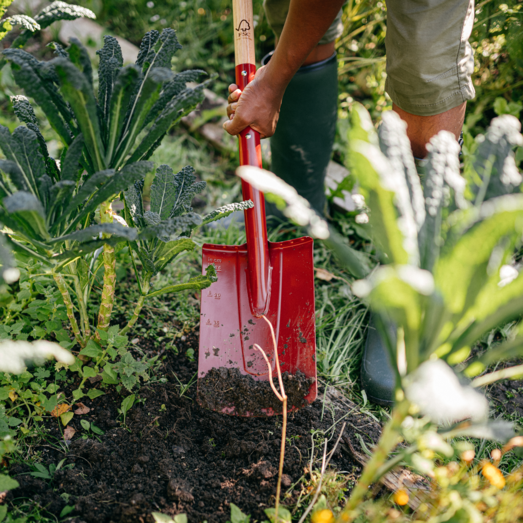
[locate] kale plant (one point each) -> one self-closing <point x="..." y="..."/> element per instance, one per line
<point x="60" y="211"/>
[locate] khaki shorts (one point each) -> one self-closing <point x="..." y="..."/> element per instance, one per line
<point x="429" y="59"/>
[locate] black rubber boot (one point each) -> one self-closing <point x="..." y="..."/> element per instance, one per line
<point x="301" y="147"/>
<point x="377" y="374"/>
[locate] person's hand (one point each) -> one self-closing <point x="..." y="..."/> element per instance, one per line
<point x="258" y="106"/>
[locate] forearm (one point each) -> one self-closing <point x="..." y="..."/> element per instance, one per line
<point x="306" y="23"/>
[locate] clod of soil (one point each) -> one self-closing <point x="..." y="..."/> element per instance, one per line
<point x="228" y="388"/>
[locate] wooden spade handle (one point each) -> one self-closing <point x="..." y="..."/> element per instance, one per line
<point x="258" y="274"/>
<point x="243" y="32"/>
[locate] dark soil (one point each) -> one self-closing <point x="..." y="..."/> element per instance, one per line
<point x="174" y="456"/>
<point x="507" y="396"/>
<point x="229" y="388"/>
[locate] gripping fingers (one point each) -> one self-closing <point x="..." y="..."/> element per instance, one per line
<point x="231" y="109"/>
<point x="235" y="94"/>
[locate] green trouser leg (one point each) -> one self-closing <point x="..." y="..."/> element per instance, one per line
<point x="301" y="147"/>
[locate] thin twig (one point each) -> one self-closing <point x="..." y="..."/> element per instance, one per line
<point x="325" y="464"/>
<point x="318" y="490"/>
<point x="278" y="395"/>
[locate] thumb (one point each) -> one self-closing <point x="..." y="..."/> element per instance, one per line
<point x="235" y="126"/>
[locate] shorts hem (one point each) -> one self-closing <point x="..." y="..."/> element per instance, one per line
<point x="431" y="109"/>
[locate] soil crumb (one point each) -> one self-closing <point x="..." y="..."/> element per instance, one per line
<point x="230" y="388"/>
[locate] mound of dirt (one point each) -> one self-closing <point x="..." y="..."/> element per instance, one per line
<point x="224" y="387"/>
<point x="173" y="456"/>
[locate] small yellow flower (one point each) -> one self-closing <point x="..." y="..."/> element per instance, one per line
<point x="494" y="475"/>
<point x="323" y="516"/>
<point x="401" y="497"/>
<point x="12" y="395"/>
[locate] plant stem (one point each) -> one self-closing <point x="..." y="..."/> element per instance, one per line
<point x="81" y="304"/>
<point x="390" y="437"/>
<point x="138" y="307"/>
<point x="106" y="306"/>
<point x="62" y="287"/>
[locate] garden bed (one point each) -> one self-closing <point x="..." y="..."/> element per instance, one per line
<point x="173" y="456"/>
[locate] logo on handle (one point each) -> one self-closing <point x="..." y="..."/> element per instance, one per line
<point x="244" y="29"/>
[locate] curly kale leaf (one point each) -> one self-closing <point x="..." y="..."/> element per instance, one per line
<point x="181" y="105"/>
<point x="39" y="82"/>
<point x="225" y="210"/>
<point x="23" y="149"/>
<point x="80" y="57"/>
<point x="25" y="113"/>
<point x="172" y="89"/>
<point x="186" y="189"/>
<point x="62" y="11"/>
<point x="111" y="60"/>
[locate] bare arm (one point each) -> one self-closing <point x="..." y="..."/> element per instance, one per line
<point x="259" y="105"/>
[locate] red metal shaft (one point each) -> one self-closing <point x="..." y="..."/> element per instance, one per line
<point x="255" y="221"/>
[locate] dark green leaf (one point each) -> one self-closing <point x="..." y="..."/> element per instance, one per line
<point x="365" y="160"/>
<point x="164" y="49"/>
<point x="111" y="61"/>
<point x="181" y="105"/>
<point x="11" y="172"/>
<point x="62" y="11"/>
<point x="38" y="81"/>
<point x="78" y="92"/>
<point x="120" y="99"/>
<point x="25" y="114"/>
<point x="163" y="192"/>
<point x="71" y="162"/>
<point x="58" y="49"/>
<point x="133" y="200"/>
<point x="146" y="47"/>
<point x="22" y="148"/>
<point x="170" y="90"/>
<point x="141" y="105"/>
<point x="80" y="57"/>
<point x="173" y="228"/>
<point x="23" y="109"/>
<point x="116" y="184"/>
<point x="151" y="218"/>
<point x="86" y="190"/>
<point x="186" y="189"/>
<point x="23" y="206"/>
<point x="197" y="283"/>
<point x="115" y="229"/>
